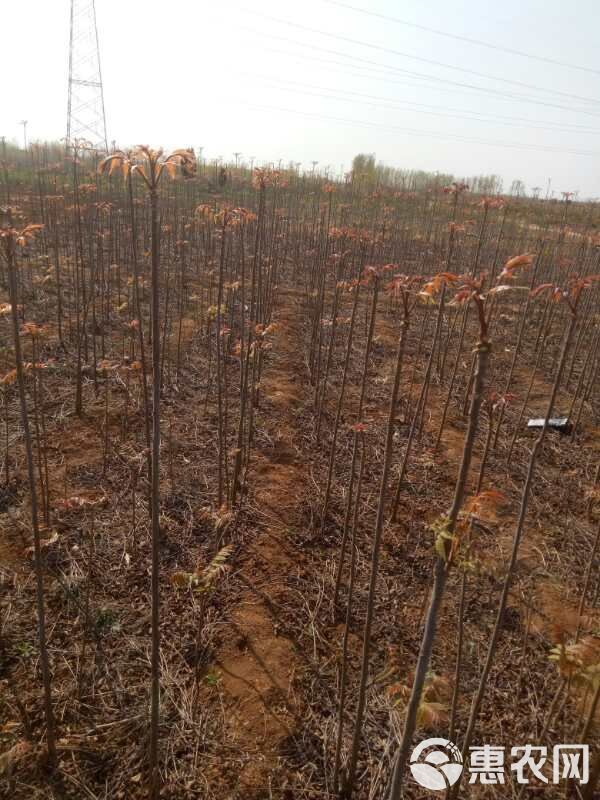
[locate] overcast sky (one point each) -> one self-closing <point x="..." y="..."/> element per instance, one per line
<point x="318" y="80"/>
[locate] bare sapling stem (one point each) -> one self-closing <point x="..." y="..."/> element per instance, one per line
<point x="445" y="546"/>
<point x="571" y="297"/>
<point x="10" y="238"/>
<point x="400" y="285"/>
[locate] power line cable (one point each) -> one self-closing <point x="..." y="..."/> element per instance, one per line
<point x="467" y="39"/>
<point x="390" y="103"/>
<point x="434" y="62"/>
<point x="380" y="74"/>
<point x="421" y="75"/>
<point x="419" y="132"/>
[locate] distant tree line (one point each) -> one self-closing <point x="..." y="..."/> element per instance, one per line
<point x="366" y="168"/>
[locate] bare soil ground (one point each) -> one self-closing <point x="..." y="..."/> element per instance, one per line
<point x="252" y="714"/>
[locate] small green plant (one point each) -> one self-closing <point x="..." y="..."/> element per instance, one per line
<point x="212" y="679"/>
<point x="24" y="649"/>
<point x="202" y="582"/>
<point x="106" y="621"/>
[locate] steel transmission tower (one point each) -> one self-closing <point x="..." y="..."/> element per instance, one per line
<point x="85" y="116"/>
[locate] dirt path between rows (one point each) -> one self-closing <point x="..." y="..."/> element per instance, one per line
<point x="258" y="665"/>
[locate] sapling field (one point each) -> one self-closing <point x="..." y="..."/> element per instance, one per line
<point x="270" y="509"/>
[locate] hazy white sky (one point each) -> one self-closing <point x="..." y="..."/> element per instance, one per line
<point x="237" y="76"/>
